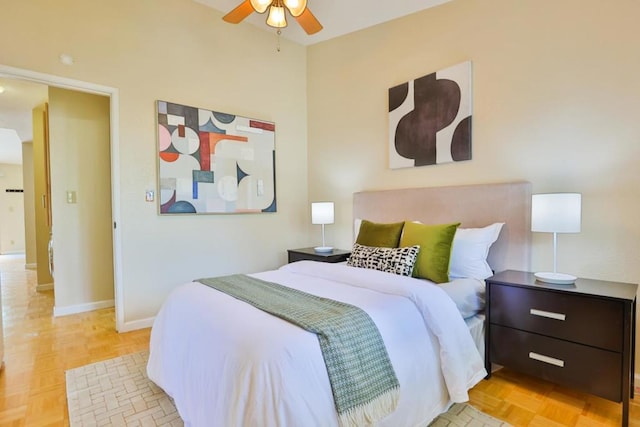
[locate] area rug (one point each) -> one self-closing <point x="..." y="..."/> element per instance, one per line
<point x="117" y="392"/>
<point x="464" y="415"/>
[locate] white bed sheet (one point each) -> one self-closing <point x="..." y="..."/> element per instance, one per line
<point x="468" y="295"/>
<point x="226" y="363"/>
<point x="476" y="328"/>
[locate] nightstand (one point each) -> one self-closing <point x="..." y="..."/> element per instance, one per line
<point x="336" y="255"/>
<point x="581" y="335"/>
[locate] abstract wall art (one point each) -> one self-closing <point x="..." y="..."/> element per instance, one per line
<point x="214" y="163"/>
<point x="430" y="119"/>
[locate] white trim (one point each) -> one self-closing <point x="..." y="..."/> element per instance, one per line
<point x="115" y="210"/>
<point x="137" y="324"/>
<point x="16" y="252"/>
<point x="31" y="266"/>
<point x="66" y="83"/>
<point x="44" y="287"/>
<point x="81" y="308"/>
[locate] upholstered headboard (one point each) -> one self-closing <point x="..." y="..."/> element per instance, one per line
<point x="471" y="205"/>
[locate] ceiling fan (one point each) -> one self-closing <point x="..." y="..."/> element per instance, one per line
<point x="277" y="13"/>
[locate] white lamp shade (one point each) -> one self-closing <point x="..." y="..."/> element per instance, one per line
<point x="260" y="6"/>
<point x="556" y="212"/>
<point x="322" y="213"/>
<point x="296" y="7"/>
<point x="276" y="17"/>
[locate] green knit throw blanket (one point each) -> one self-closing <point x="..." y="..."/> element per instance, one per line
<point x="364" y="385"/>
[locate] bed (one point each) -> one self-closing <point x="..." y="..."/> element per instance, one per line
<point x="472" y="205"/>
<point x="227" y="363"/>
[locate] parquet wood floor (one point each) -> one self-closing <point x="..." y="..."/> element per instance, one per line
<point x="525" y="401"/>
<point x="40" y="348"/>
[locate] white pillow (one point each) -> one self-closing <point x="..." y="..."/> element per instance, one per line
<point x="470" y="251"/>
<point x="356" y="228"/>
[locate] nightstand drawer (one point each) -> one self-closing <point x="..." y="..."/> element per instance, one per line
<point x="589" y="369"/>
<point x="587" y="320"/>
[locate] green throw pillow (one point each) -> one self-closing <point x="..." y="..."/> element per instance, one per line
<point x="435" y="243"/>
<point x="379" y="235"/>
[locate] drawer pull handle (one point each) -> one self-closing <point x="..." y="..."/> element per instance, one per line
<point x="548" y="314"/>
<point x="546" y="359"/>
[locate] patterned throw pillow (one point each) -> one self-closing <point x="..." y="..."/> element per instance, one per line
<point x="391" y="260"/>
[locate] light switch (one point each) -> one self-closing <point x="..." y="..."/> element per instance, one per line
<point x="260" y="187"/>
<point x="149" y="196"/>
<point x="71" y="197"/>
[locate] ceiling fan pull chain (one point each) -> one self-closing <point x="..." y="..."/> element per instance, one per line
<point x="278" y="45"/>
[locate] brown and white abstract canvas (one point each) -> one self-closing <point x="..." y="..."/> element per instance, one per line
<point x="430" y="119"/>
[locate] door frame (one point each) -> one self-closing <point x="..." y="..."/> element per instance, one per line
<point x="112" y="93"/>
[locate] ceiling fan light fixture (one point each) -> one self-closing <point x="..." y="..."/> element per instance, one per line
<point x="296" y="7"/>
<point x="277" y="13"/>
<point x="260" y="6"/>
<point x="276" y="18"/>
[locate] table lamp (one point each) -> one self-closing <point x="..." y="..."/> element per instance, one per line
<point x="556" y="213"/>
<point x="322" y="213"/>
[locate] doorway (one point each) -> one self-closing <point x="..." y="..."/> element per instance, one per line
<point x="112" y="95"/>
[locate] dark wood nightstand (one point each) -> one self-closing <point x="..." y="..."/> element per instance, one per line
<point x="337" y="255"/>
<point x="580" y="335"/>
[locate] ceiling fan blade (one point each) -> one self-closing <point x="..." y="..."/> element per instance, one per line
<point x="236" y="16"/>
<point x="309" y="22"/>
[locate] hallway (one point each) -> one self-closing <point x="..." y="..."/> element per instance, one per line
<point x="39" y="348"/>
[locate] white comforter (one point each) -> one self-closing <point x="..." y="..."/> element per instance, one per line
<point x="226" y="363"/>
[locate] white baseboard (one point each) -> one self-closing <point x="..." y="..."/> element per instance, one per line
<point x="137" y="324"/>
<point x="15" y="252"/>
<point x="44" y="287"/>
<point x="81" y="308"/>
<point x="31" y="266"/>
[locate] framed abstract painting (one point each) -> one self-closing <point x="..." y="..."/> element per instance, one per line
<point x="430" y="119"/>
<point x="214" y="163"/>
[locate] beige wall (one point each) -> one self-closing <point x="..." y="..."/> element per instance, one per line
<point x="11" y="210"/>
<point x="30" y="257"/>
<point x="179" y="51"/>
<point x="80" y="163"/>
<point x="556" y="92"/>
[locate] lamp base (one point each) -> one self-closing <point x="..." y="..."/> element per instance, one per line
<point x="556" y="278"/>
<point x="323" y="249"/>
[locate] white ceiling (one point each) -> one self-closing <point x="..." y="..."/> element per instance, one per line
<point x="16" y="102"/>
<point x="338" y="17"/>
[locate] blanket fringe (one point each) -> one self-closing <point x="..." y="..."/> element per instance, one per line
<point x="372" y="411"/>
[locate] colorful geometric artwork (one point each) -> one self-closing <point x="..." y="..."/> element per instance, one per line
<point x="430" y="119"/>
<point x="214" y="163"/>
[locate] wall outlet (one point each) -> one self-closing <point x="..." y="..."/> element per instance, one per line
<point x="149" y="196"/>
<point x="71" y="197"/>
